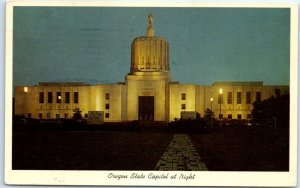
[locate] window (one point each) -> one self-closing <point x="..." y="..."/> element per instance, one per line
<point x="148" y="64"/>
<point x="76" y="97"/>
<point x="154" y="66"/>
<point x="183" y="106"/>
<point x="258" y="96"/>
<point x="41" y="97"/>
<point x="229" y="98"/>
<point x="106" y="96"/>
<point x="58" y="97"/>
<point x="220" y="99"/>
<point x="48" y="115"/>
<point x="239" y="97"/>
<point x="183" y="96"/>
<point x="57" y="115"/>
<point x="106" y="115"/>
<point x="229" y="116"/>
<point x="277" y="93"/>
<point x="49" y="97"/>
<point x="66" y="115"/>
<point x="67" y="97"/>
<point x="40" y="115"/>
<point x="107" y="106"/>
<point x="239" y="116"/>
<point x="248" y="97"/>
<point x="142" y="64"/>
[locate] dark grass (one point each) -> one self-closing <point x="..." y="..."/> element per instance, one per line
<point x="120" y="147"/>
<point x="88" y="150"/>
<point x="244" y="149"/>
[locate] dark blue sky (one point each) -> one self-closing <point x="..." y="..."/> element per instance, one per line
<point x="206" y="44"/>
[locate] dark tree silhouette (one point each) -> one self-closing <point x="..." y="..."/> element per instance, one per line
<point x="77" y="115"/>
<point x="273" y="109"/>
<point x="208" y="117"/>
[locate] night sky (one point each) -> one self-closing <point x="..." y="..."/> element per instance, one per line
<point x="92" y="45"/>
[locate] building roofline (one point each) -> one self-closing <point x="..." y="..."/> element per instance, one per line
<point x="62" y="84"/>
<point x="233" y="83"/>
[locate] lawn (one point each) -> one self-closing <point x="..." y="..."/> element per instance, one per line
<point x="221" y="149"/>
<point x="243" y="149"/>
<point x="88" y="150"/>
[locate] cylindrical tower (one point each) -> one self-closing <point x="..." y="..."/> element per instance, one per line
<point x="149" y="53"/>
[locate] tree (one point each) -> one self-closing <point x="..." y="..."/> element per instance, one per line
<point x="273" y="109"/>
<point x="77" y="114"/>
<point x="209" y="117"/>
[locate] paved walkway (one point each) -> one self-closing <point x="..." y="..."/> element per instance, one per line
<point x="180" y="155"/>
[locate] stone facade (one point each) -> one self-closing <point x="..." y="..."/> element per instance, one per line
<point x="42" y="101"/>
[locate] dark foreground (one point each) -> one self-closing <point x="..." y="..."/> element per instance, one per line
<point x="221" y="149"/>
<point x="244" y="149"/>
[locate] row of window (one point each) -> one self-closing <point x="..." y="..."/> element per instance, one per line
<point x="239" y="97"/>
<point x="238" y="116"/>
<point x="107" y="107"/>
<point x="183" y="107"/>
<point x="58" y="97"/>
<point x="66" y="97"/>
<point x="106" y="114"/>
<point x="230" y="98"/>
<point x="66" y="115"/>
<point x="150" y="66"/>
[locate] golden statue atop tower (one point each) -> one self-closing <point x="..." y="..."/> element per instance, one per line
<point x="150" y="20"/>
<point x="150" y="31"/>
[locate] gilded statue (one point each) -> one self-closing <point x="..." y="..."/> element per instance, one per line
<point x="150" y="32"/>
<point x="150" y="20"/>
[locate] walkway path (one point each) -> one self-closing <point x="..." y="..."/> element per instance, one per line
<point x="180" y="155"/>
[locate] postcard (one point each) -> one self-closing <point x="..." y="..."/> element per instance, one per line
<point x="151" y="94"/>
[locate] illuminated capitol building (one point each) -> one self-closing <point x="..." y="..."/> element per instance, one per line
<point x="148" y="92"/>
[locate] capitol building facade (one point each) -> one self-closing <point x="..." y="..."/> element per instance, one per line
<point x="148" y="93"/>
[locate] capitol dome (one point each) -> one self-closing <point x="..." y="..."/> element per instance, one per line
<point x="149" y="53"/>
